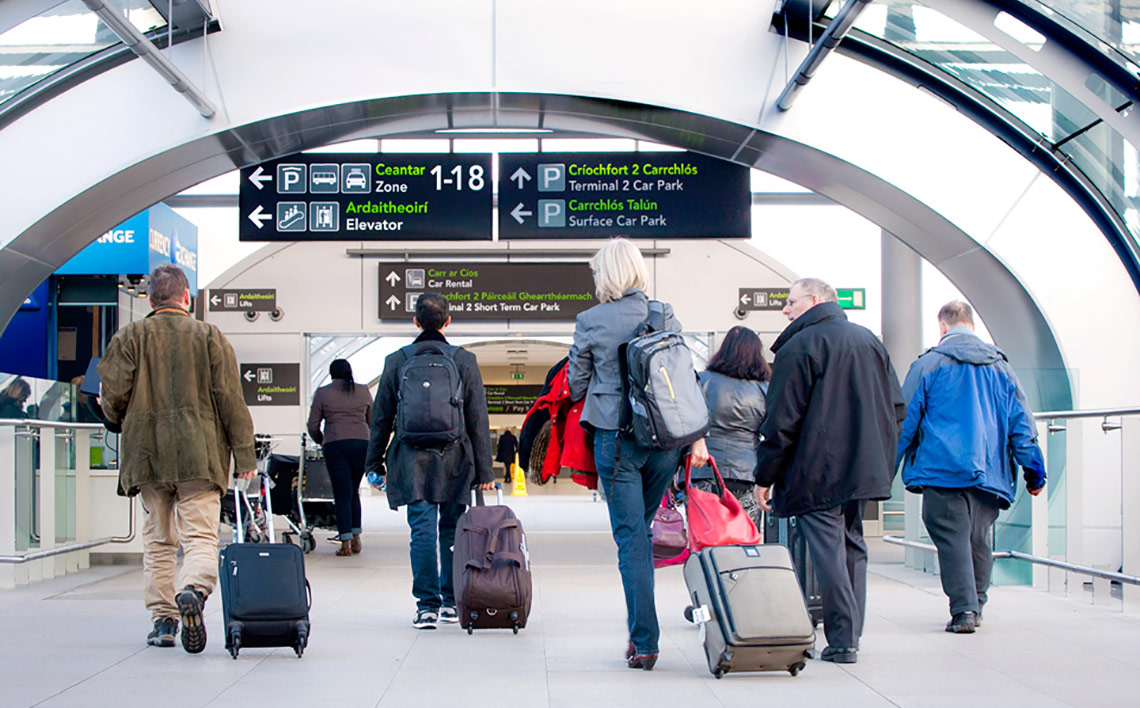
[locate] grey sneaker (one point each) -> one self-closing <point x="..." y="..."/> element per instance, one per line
<point x="425" y="619"/>
<point x="190" y="604"/>
<point x="449" y="615"/>
<point x="163" y="633"/>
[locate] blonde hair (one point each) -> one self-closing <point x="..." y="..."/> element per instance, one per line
<point x="617" y="267"/>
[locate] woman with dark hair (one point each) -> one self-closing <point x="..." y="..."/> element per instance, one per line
<point x="735" y="384"/>
<point x="346" y="411"/>
<point x="13" y="397"/>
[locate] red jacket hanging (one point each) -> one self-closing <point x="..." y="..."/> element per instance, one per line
<point x="568" y="446"/>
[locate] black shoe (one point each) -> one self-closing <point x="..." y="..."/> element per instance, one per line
<point x="842" y="655"/>
<point x="190" y="604"/>
<point x="963" y="623"/>
<point x="426" y="619"/>
<point x="978" y="619"/>
<point x="163" y="633"/>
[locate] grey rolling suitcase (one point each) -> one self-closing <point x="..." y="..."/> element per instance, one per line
<point x="748" y="605"/>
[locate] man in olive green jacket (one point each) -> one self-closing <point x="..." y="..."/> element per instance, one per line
<point x="171" y="382"/>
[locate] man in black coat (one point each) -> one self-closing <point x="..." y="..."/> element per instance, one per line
<point x="829" y="442"/>
<point x="433" y="481"/>
<point x="508" y="447"/>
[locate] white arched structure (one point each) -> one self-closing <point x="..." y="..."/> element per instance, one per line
<point x="286" y="77"/>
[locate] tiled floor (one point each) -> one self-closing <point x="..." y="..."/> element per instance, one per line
<point x="80" y="641"/>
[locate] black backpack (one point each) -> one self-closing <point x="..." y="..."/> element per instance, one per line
<point x="663" y="406"/>
<point x="429" y="399"/>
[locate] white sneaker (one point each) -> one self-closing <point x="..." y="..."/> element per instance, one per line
<point x="448" y="615"/>
<point x="425" y="619"/>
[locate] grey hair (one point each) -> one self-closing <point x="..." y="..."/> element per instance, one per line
<point x="167" y="283"/>
<point x="956" y="312"/>
<point x="617" y="267"/>
<point x="815" y="286"/>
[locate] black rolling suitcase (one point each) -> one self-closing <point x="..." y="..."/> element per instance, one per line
<point x="786" y="532"/>
<point x="491" y="567"/>
<point x="265" y="595"/>
<point x="749" y="608"/>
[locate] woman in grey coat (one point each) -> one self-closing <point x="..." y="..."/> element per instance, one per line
<point x="735" y="384"/>
<point x="634" y="484"/>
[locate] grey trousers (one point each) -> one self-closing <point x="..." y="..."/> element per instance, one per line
<point x="960" y="522"/>
<point x="835" y="540"/>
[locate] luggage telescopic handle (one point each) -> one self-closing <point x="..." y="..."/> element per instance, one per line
<point x="239" y="492"/>
<point x="477" y="495"/>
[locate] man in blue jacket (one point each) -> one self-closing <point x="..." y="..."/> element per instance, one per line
<point x="967" y="427"/>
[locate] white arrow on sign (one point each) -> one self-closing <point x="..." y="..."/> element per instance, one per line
<point x="392" y="278"/>
<point x="392" y="301"/>
<point x="259" y="216"/>
<point x="214" y="300"/>
<point x="258" y="178"/>
<point x="745" y="299"/>
<point x="521" y="175"/>
<point x="518" y="213"/>
<point x="248" y="376"/>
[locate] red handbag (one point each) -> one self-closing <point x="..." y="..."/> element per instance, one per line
<point x="716" y="519"/>
<point x="670" y="542"/>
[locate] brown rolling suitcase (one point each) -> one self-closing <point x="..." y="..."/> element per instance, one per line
<point x="748" y="605"/>
<point x="491" y="567"/>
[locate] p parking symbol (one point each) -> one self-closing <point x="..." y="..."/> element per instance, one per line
<point x="551" y="213"/>
<point x="552" y="177"/>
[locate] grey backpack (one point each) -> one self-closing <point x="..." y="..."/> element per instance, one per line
<point x="663" y="406"/>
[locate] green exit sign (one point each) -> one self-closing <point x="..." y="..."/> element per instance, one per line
<point x="852" y="298"/>
<point x="518" y="375"/>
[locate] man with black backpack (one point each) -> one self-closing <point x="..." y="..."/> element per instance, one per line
<point x="432" y="404"/>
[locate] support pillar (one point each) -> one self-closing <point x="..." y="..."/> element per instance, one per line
<point x="902" y="336"/>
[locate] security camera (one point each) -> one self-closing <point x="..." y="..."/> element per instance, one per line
<point x="740" y="313"/>
<point x="251" y="316"/>
<point x="277" y="314"/>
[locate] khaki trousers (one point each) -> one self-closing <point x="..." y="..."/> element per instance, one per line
<point x="185" y="512"/>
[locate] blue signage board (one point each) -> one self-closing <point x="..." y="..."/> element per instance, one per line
<point x="140" y="244"/>
<point x="123" y="249"/>
<point x="174" y="240"/>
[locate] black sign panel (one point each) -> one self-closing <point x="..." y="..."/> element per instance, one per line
<point x="354" y="197"/>
<point x="639" y="195"/>
<point x="489" y="291"/>
<point x="263" y="300"/>
<point x="511" y="400"/>
<point x="271" y="384"/>
<point x="754" y="299"/>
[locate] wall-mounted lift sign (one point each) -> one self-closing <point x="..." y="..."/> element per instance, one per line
<point x="489" y="291"/>
<point x="251" y="300"/>
<point x="361" y="197"/>
<point x="271" y="384"/>
<point x="760" y="299"/>
<point x="639" y="195"/>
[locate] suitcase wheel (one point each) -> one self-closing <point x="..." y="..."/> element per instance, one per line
<point x="302" y="641"/>
<point x="471" y="630"/>
<point x="796" y="668"/>
<point x="688" y="613"/>
<point x="235" y="643"/>
<point x="719" y="672"/>
<point x="308" y="543"/>
<point x="515" y="627"/>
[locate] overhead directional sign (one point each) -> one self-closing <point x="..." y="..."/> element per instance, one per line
<point x="354" y="197"/>
<point x="640" y="195"/>
<point x="513" y="399"/>
<point x="271" y="384"/>
<point x="757" y="299"/>
<point x="264" y="300"/>
<point x="489" y="291"/>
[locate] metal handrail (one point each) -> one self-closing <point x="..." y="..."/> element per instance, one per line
<point x="32" y="422"/>
<point x="59" y="550"/>
<point x="1017" y="555"/>
<point x="1100" y="413"/>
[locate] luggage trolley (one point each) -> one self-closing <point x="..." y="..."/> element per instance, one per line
<point x="314" y="507"/>
<point x="277" y="486"/>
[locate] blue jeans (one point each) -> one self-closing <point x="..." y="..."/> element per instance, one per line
<point x="432" y="583"/>
<point x="634" y="488"/>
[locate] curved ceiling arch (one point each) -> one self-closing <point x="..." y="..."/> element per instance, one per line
<point x="1012" y="316"/>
